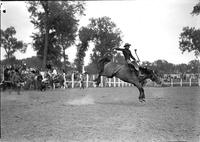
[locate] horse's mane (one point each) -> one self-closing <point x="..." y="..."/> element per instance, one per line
<point x="146" y="70"/>
<point x="149" y="71"/>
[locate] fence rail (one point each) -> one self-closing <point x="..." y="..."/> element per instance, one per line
<point x="116" y="82"/>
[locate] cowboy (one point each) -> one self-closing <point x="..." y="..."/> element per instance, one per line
<point x="23" y="66"/>
<point x="128" y="56"/>
<point x="82" y="77"/>
<point x="54" y="72"/>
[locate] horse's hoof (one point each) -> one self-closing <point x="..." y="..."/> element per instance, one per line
<point x="142" y="100"/>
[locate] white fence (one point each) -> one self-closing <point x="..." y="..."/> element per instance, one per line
<point x="180" y="82"/>
<point x="105" y="82"/>
<point x="116" y="82"/>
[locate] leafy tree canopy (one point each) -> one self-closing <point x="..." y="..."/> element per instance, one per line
<point x="10" y="44"/>
<point x="59" y="21"/>
<point x="189" y="39"/>
<point x="196" y="9"/>
<point x="103" y="33"/>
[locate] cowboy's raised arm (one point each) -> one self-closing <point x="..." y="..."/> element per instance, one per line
<point x="119" y="49"/>
<point x="132" y="57"/>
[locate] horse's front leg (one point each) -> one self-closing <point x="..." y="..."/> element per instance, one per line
<point x="141" y="90"/>
<point x="142" y="95"/>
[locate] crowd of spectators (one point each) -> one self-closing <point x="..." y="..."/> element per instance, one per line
<point x="169" y="77"/>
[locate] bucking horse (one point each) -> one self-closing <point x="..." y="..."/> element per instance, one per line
<point x="110" y="69"/>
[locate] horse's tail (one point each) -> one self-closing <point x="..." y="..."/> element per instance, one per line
<point x="102" y="62"/>
<point x="100" y="66"/>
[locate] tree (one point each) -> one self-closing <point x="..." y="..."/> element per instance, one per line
<point x="10" y="61"/>
<point x="103" y="33"/>
<point x="107" y="36"/>
<point x="163" y="66"/>
<point x="190" y="37"/>
<point x="57" y="24"/>
<point x="146" y="64"/>
<point x="196" y="9"/>
<point x="10" y="44"/>
<point x="33" y="62"/>
<point x="194" y="66"/>
<point x="190" y="40"/>
<point x="85" y="35"/>
<point x="181" y="68"/>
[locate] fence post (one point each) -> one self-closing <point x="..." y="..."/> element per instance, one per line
<point x="87" y="80"/>
<point x="65" y="81"/>
<point x="119" y="82"/>
<point x="181" y="82"/>
<point x="109" y="82"/>
<point x="72" y="80"/>
<point x="171" y="82"/>
<point x="199" y="82"/>
<point x="93" y="77"/>
<point x="114" y="82"/>
<point x="3" y="73"/>
<point x="101" y="81"/>
<point x="190" y="82"/>
<point x="80" y="81"/>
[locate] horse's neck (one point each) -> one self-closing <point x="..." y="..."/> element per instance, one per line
<point x="146" y="72"/>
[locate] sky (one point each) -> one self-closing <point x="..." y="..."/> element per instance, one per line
<point x="150" y="26"/>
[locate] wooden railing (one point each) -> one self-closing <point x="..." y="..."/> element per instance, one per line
<point x="116" y="82"/>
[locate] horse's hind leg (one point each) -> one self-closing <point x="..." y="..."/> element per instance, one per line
<point x="98" y="80"/>
<point x="141" y="90"/>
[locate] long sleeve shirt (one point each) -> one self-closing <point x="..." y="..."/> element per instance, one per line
<point x="127" y="53"/>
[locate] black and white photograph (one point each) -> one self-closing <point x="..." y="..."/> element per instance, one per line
<point x="100" y="71"/>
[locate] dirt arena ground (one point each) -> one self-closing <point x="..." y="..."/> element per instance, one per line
<point x="101" y="115"/>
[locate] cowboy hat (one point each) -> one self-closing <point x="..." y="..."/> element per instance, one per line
<point x="127" y="45"/>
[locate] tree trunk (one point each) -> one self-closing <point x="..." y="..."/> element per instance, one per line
<point x="45" y="47"/>
<point x="64" y="62"/>
<point x="46" y="39"/>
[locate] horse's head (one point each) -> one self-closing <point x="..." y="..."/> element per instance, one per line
<point x="154" y="76"/>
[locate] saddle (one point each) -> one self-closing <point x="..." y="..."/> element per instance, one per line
<point x="135" y="67"/>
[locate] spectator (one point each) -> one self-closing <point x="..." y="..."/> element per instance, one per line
<point x="49" y="66"/>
